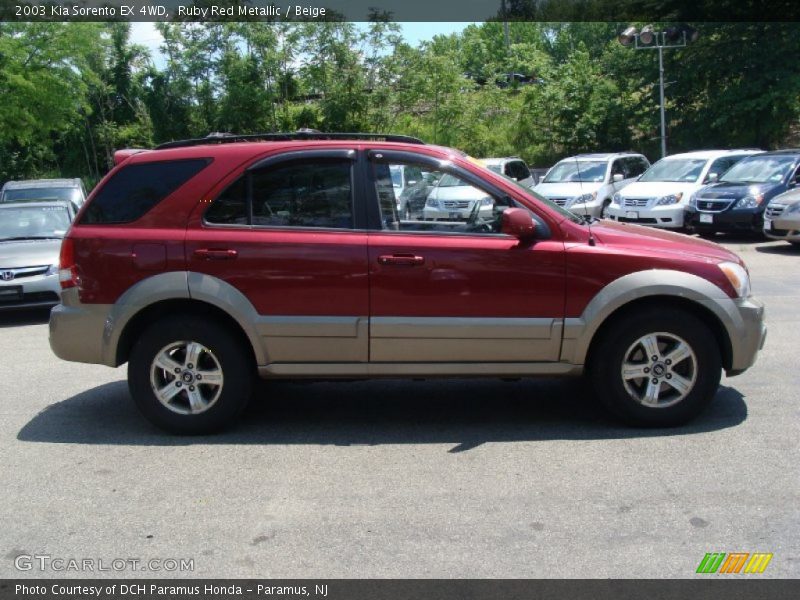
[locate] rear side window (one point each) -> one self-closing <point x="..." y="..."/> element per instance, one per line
<point x="135" y="189"/>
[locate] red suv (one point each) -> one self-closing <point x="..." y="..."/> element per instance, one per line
<point x="205" y="262"/>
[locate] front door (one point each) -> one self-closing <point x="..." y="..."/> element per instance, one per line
<point x="450" y="288"/>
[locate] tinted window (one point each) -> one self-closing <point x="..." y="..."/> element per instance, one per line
<point x="230" y="207"/>
<point x="517" y="170"/>
<point x="312" y="193"/>
<point x="634" y="167"/>
<point x="135" y="189"/>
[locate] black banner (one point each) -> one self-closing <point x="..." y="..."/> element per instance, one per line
<point x="400" y="10"/>
<point x="704" y="587"/>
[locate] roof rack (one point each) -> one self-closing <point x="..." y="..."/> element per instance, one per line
<point x="303" y="134"/>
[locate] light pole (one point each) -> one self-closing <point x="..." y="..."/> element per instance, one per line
<point x="649" y="39"/>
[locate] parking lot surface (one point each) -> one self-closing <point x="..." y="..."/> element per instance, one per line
<point x="450" y="478"/>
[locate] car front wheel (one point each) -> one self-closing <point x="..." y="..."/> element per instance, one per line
<point x="189" y="376"/>
<point x="658" y="368"/>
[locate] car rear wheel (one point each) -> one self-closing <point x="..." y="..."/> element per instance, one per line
<point x="189" y="376"/>
<point x="658" y="368"/>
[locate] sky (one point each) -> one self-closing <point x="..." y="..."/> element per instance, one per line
<point x="147" y="35"/>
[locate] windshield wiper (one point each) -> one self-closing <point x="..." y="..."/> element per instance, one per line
<point x="30" y="237"/>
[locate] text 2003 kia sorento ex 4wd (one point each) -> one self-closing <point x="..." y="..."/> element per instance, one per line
<point x="205" y="262"/>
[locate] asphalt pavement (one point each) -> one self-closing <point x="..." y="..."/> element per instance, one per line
<point x="423" y="479"/>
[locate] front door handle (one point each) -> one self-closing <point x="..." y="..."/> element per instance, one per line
<point x="215" y="254"/>
<point x="407" y="260"/>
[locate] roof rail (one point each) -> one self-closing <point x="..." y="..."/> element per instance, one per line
<point x="303" y="134"/>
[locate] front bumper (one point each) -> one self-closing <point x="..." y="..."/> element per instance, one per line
<point x="748" y="336"/>
<point x="39" y="291"/>
<point x="732" y="220"/>
<point x="782" y="228"/>
<point x="668" y="216"/>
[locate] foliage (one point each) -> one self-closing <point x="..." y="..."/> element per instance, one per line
<point x="74" y="92"/>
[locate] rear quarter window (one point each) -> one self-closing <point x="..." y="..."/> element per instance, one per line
<point x="135" y="189"/>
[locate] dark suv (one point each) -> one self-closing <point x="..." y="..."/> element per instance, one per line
<point x="738" y="200"/>
<point x="206" y="262"/>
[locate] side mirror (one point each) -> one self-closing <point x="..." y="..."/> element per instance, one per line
<point x="519" y="223"/>
<point x="617" y="177"/>
<point x="713" y="177"/>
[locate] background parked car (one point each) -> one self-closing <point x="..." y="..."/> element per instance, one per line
<point x="512" y="167"/>
<point x="586" y="183"/>
<point x="35" y="190"/>
<point x="738" y="200"/>
<point x="661" y="195"/>
<point x="782" y="217"/>
<point x="30" y="240"/>
<point x="452" y="199"/>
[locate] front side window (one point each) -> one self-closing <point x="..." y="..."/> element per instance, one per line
<point x="517" y="170"/>
<point x="315" y="193"/>
<point x="135" y="189"/>
<point x="437" y="202"/>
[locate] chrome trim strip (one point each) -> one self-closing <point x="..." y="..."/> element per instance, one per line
<point x="462" y="328"/>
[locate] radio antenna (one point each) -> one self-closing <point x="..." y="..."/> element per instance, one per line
<point x="586" y="215"/>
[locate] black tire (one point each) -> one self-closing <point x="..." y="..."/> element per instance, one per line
<point x="609" y="354"/>
<point x="223" y="351"/>
<point x="706" y="234"/>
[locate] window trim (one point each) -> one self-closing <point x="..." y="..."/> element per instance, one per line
<point x="343" y="154"/>
<point x="446" y="166"/>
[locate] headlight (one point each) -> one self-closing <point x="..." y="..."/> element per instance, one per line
<point x="793" y="208"/>
<point x="616" y="199"/>
<point x="52" y="270"/>
<point x="582" y="199"/>
<point x="738" y="277"/>
<point x="432" y="202"/>
<point x="693" y="200"/>
<point x="750" y="201"/>
<point x="486" y="201"/>
<point x="671" y="199"/>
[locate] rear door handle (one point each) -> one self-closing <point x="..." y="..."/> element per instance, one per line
<point x="215" y="254"/>
<point x="408" y="260"/>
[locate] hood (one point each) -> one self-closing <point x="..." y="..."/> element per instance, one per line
<point x="733" y="191"/>
<point x="567" y="189"/>
<point x="657" y="189"/>
<point x="788" y="198"/>
<point x="638" y="238"/>
<point x="29" y="253"/>
<point x="457" y="192"/>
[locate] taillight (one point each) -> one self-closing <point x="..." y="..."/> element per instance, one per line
<point x="67" y="270"/>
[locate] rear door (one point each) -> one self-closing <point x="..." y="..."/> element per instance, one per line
<point x="288" y="235"/>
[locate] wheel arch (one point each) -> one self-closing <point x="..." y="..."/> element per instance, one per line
<point x="647" y="289"/>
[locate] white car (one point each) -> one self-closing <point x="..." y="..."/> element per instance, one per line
<point x="586" y="183"/>
<point x="660" y="196"/>
<point x="452" y="199"/>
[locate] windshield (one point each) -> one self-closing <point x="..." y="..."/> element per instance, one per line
<point x="685" y="170"/>
<point x="24" y="222"/>
<point x="448" y="180"/>
<point x="762" y="169"/>
<point x="42" y="194"/>
<point x="573" y="170"/>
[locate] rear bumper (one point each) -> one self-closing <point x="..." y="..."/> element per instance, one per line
<point x="728" y="220"/>
<point x="78" y="332"/>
